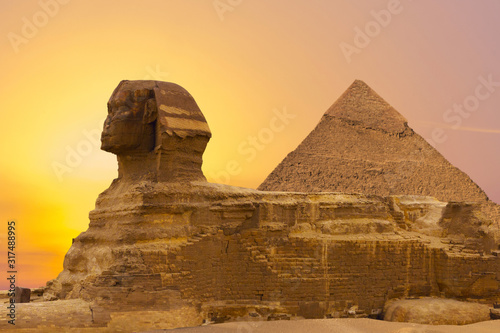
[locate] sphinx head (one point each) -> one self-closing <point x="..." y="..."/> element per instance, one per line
<point x="155" y="128"/>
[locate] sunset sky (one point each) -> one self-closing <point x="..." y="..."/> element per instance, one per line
<point x="244" y="62"/>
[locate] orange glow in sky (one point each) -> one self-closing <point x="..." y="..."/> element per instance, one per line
<point x="245" y="63"/>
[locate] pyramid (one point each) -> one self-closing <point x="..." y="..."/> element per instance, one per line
<point x="363" y="145"/>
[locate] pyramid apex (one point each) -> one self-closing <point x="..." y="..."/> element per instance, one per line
<point x="359" y="83"/>
<point x="362" y="105"/>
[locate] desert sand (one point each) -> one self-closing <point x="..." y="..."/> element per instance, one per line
<point x="339" y="326"/>
<point x="299" y="326"/>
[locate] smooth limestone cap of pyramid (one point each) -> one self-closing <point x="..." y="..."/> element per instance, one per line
<point x="361" y="104"/>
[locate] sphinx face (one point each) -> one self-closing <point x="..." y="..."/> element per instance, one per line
<point x="124" y="129"/>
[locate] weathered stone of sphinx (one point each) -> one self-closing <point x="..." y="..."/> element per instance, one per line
<point x="157" y="131"/>
<point x="167" y="248"/>
<point x="436" y="311"/>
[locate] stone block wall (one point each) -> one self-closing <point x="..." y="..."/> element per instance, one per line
<point x="226" y="254"/>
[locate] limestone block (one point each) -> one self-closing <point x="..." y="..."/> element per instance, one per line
<point x="436" y="311"/>
<point x="23" y="295"/>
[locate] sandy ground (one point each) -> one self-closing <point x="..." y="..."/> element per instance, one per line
<point x="301" y="326"/>
<point x="338" y="326"/>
